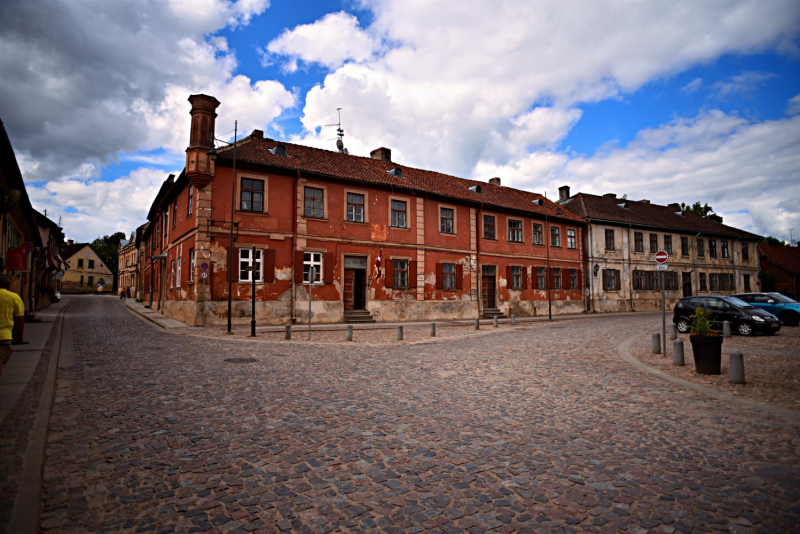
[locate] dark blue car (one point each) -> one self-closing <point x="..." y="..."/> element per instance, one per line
<point x="781" y="306"/>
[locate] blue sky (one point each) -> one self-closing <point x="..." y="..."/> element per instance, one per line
<point x="675" y="102"/>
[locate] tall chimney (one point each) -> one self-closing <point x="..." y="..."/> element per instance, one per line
<point x="610" y="195"/>
<point x="563" y="193"/>
<point x="495" y="181"/>
<point x="199" y="167"/>
<point x="383" y="154"/>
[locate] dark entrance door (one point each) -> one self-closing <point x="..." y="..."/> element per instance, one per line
<point x="687" y="284"/>
<point x="488" y="288"/>
<point x="355" y="283"/>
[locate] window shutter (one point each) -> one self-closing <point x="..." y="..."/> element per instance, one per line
<point x="298" y="265"/>
<point x="389" y="273"/>
<point x="327" y="268"/>
<point x="459" y="276"/>
<point x="509" y="277"/>
<point x="617" y="283"/>
<point x="524" y="277"/>
<point x="580" y="279"/>
<point x="412" y="274"/>
<point x="269" y="264"/>
<point x="439" y="276"/>
<point x="552" y="278"/>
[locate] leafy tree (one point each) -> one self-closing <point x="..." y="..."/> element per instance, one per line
<point x="775" y="242"/>
<point x="703" y="211"/>
<point x="107" y="248"/>
<point x="769" y="281"/>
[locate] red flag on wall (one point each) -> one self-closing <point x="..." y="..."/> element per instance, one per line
<point x="378" y="264"/>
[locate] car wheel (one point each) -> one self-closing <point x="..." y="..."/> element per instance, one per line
<point x="790" y="318"/>
<point x="683" y="326"/>
<point x="745" y="329"/>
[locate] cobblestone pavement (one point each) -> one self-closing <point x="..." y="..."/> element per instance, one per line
<point x="536" y="429"/>
<point x="771" y="363"/>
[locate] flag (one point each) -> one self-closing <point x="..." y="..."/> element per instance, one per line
<point x="48" y="258"/>
<point x="378" y="265"/>
<point x="62" y="261"/>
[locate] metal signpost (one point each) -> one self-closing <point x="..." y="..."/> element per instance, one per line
<point x="203" y="276"/>
<point x="661" y="265"/>
<point x="253" y="278"/>
<point x="312" y="276"/>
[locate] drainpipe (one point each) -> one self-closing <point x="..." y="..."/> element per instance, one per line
<point x="696" y="277"/>
<point x="590" y="269"/>
<point x="549" y="272"/>
<point x="295" y="214"/>
<point x="630" y="268"/>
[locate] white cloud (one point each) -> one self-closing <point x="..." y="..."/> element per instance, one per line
<point x="743" y="84"/>
<point x="693" y="86"/>
<point x="92" y="208"/>
<point x="793" y="107"/>
<point x="123" y="85"/>
<point x="330" y="41"/>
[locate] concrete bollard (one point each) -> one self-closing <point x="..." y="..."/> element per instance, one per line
<point x="287" y="332"/>
<point x="656" y="343"/>
<point x="737" y="367"/>
<point x="478" y="323"/>
<point x="433" y="329"/>
<point x="399" y="333"/>
<point x="726" y="329"/>
<point x="513" y="319"/>
<point x="349" y="336"/>
<point x="673" y="332"/>
<point x="494" y="321"/>
<point x="677" y="353"/>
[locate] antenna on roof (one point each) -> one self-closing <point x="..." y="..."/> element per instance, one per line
<point x="339" y="133"/>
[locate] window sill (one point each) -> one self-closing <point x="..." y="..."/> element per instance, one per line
<point x="489" y="238"/>
<point x="403" y="228"/>
<point x="516" y="242"/>
<point x="251" y="212"/>
<point x="316" y="219"/>
<point x="361" y="223"/>
<point x="190" y="283"/>
<point x="448" y="234"/>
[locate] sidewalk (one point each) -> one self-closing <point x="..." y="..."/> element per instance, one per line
<point x="171" y="324"/>
<point x="24" y="358"/>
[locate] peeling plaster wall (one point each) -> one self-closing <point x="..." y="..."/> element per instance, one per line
<point x="422" y="310"/>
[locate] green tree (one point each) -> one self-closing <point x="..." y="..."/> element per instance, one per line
<point x="107" y="247"/>
<point x="703" y="211"/>
<point x="774" y="241"/>
<point x="769" y="281"/>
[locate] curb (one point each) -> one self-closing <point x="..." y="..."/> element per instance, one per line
<point x="625" y="354"/>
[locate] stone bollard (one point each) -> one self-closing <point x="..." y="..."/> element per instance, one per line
<point x="513" y="319"/>
<point x="477" y="323"/>
<point x="673" y="331"/>
<point x="349" y="336"/>
<point x="433" y="329"/>
<point x="494" y="321"/>
<point x="677" y="353"/>
<point x="399" y="333"/>
<point x="737" y="367"/>
<point x="726" y="329"/>
<point x="656" y="343"/>
<point x="287" y="332"/>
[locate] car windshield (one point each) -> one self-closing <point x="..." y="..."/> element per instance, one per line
<point x="781" y="298"/>
<point x="739" y="303"/>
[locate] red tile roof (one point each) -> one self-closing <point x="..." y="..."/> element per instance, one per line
<point x="786" y="257"/>
<point x="335" y="165"/>
<point x="646" y="214"/>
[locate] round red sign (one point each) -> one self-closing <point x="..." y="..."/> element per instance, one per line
<point x="662" y="256"/>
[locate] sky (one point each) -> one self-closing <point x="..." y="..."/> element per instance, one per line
<point x="666" y="101"/>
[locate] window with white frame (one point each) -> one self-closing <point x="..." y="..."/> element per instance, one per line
<point x="571" y="243"/>
<point x="191" y="265"/>
<point x="448" y="276"/>
<point x="191" y="199"/>
<point x="400" y="273"/>
<point x="516" y="277"/>
<point x="178" y="274"/>
<point x="541" y="279"/>
<point x="355" y="207"/>
<point x="172" y="275"/>
<point x="555" y="236"/>
<point x="249" y="266"/>
<point x="537" y="234"/>
<point x="398" y="214"/>
<point x="312" y="259"/>
<point x="446" y="220"/>
<point x="515" y="231"/>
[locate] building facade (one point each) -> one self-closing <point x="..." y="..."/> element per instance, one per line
<point x="383" y="241"/>
<point x="86" y="273"/>
<point x="705" y="257"/>
<point x="784" y="263"/>
<point x="128" y="264"/>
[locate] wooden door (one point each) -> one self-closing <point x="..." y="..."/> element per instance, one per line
<point x="488" y="290"/>
<point x="349" y="289"/>
<point x="360" y="289"/>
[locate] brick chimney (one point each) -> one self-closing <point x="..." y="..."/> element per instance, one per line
<point x="199" y="167"/>
<point x="610" y="195"/>
<point x="383" y="154"/>
<point x="563" y="193"/>
<point x="495" y="181"/>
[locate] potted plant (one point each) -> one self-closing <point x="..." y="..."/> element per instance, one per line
<point x="706" y="344"/>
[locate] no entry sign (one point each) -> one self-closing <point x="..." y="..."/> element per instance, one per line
<point x="662" y="256"/>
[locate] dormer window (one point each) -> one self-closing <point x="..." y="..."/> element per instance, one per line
<point x="397" y="171"/>
<point x="279" y="150"/>
<point x="539" y="202"/>
<point x="624" y="205"/>
<point x="477" y="189"/>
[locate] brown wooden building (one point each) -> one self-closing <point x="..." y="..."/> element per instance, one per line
<point x="448" y="247"/>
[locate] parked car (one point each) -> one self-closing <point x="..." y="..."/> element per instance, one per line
<point x="745" y="318"/>
<point x="781" y="306"/>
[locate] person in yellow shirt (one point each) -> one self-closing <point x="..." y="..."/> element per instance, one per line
<point x="12" y="313"/>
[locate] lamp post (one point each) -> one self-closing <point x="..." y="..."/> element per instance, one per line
<point x="212" y="154"/>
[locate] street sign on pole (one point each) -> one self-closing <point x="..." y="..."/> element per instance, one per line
<point x="204" y="266"/>
<point x="662" y="267"/>
<point x="662" y="256"/>
<point x="204" y="275"/>
<point x="312" y="276"/>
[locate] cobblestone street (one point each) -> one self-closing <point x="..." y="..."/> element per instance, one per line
<point x="542" y="427"/>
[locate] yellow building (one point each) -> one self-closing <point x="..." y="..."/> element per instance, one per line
<point x="87" y="273"/>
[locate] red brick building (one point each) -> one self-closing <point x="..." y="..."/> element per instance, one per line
<point x="784" y="263"/>
<point x="449" y="248"/>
